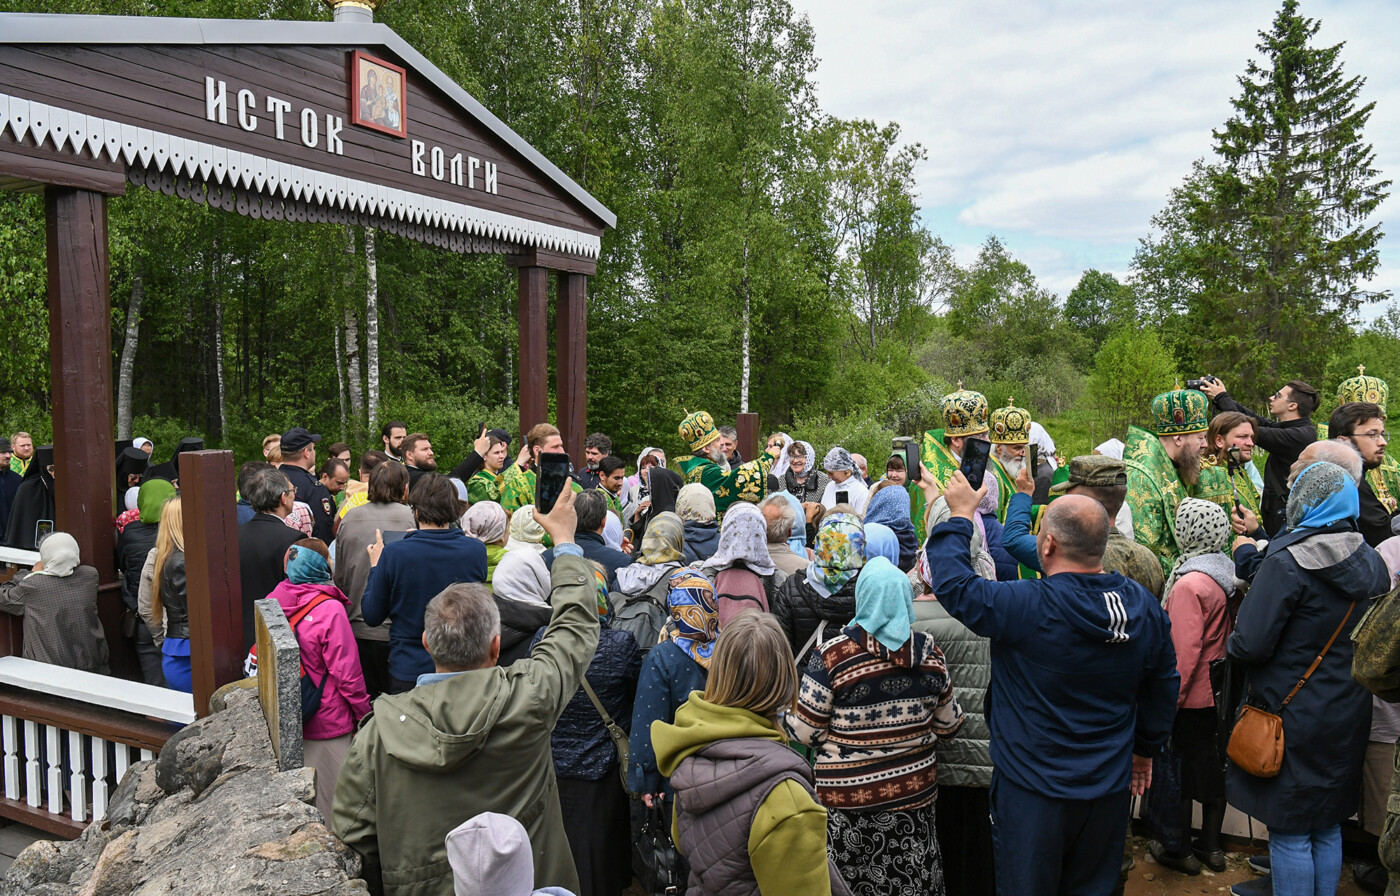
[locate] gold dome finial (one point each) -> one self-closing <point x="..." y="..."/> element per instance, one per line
<point x="1360" y="369"/>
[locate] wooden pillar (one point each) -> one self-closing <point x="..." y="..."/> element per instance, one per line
<point x="747" y="425"/>
<point x="533" y="317"/>
<point x="211" y="572"/>
<point x="571" y="357"/>
<point x="80" y="375"/>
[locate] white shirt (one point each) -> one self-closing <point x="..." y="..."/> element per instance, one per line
<point x="857" y="492"/>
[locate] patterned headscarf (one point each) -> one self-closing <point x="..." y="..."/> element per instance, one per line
<point x="743" y="537"/>
<point x="696" y="614"/>
<point x="485" y="521"/>
<point x="664" y="540"/>
<point x="839" y="553"/>
<point x="811" y="454"/>
<point x="838" y="459"/>
<point x="884" y="603"/>
<point x="307" y="567"/>
<point x="600" y="583"/>
<point x="992" y="498"/>
<point x="524" y="531"/>
<point x="696" y="504"/>
<point x="1322" y="494"/>
<point x="1202" y="533"/>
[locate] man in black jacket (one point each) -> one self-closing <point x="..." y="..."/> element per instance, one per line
<point x="263" y="541"/>
<point x="298" y="460"/>
<point x="1284" y="438"/>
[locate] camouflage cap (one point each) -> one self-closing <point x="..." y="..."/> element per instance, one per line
<point x="1093" y="469"/>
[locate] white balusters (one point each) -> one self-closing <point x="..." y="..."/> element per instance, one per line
<point x="123" y="761"/>
<point x="33" y="777"/>
<point x="9" y="730"/>
<point x="147" y="755"/>
<point x="99" y="777"/>
<point x="77" y="777"/>
<point x="55" y="778"/>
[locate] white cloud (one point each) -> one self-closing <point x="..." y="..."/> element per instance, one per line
<point x="1066" y="124"/>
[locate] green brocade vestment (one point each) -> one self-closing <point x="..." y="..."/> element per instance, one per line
<point x="1155" y="490"/>
<point x="746" y="482"/>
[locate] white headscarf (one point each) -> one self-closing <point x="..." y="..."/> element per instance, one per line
<point x="525" y="532"/>
<point x="1047" y="445"/>
<point x="59" y="554"/>
<point x="612" y="531"/>
<point x="1112" y="448"/>
<point x="130" y="498"/>
<point x="742" y="536"/>
<point x="521" y="576"/>
<point x="811" y="468"/>
<point x="781" y="465"/>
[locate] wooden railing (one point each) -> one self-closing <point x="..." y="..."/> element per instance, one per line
<point x="68" y="737"/>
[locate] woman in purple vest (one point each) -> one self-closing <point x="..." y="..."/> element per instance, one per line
<point x="747" y="816"/>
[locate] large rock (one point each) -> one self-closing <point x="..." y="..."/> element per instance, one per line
<point x="211" y="815"/>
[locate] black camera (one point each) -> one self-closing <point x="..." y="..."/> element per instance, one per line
<point x="1200" y="384"/>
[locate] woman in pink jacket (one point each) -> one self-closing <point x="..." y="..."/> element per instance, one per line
<point x="330" y="656"/>
<point x="1198" y="593"/>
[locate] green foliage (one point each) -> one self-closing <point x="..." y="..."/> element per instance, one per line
<point x="1099" y="304"/>
<point x="1132" y="367"/>
<point x="24" y="308"/>
<point x="1265" y="250"/>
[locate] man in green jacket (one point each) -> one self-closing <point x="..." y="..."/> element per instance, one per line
<point x="471" y="737"/>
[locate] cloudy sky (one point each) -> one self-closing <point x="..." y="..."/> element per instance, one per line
<point x="1062" y="126"/>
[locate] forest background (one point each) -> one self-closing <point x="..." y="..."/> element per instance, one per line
<point x="768" y="257"/>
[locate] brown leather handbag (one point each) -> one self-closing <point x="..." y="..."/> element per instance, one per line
<point x="1256" y="743"/>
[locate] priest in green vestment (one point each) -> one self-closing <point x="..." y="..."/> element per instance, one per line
<point x="1010" y="433"/>
<point x="964" y="417"/>
<point x="1165" y="467"/>
<point x="746" y="482"/>
<point x="1230" y="447"/>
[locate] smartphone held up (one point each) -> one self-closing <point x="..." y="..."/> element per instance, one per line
<point x="551" y="480"/>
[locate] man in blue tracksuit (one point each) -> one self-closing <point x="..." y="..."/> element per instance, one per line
<point x="1083" y="694"/>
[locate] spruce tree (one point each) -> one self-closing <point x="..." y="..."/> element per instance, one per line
<point x="1268" y="246"/>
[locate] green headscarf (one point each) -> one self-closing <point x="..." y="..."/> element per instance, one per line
<point x="152" y="497"/>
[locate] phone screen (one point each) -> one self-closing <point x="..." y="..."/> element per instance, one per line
<point x="393" y="535"/>
<point x="843" y="497"/>
<point x="974" y="461"/>
<point x="42" y="529"/>
<point x="1034" y="459"/>
<point x="551" y="480"/>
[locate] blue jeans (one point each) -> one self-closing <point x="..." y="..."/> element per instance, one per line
<point x="1308" y="864"/>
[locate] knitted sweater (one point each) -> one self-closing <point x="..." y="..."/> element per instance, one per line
<point x="874" y="714"/>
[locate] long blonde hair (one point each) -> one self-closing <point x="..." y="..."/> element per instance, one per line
<point x="170" y="537"/>
<point x="752" y="666"/>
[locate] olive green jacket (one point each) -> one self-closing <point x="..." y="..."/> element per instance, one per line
<point x="427" y="760"/>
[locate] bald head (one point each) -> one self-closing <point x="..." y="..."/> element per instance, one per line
<point x="1073" y="535"/>
<point x="1333" y="451"/>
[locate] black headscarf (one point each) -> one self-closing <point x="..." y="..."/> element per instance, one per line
<point x="665" y="485"/>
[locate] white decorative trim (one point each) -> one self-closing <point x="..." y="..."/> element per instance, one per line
<point x="76" y="133"/>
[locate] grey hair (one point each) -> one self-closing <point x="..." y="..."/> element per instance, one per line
<point x="458" y="626"/>
<point x="1342" y="454"/>
<point x="592" y="510"/>
<point x="780" y="529"/>
<point x="728" y="432"/>
<point x="266" y="488"/>
<point x="1080" y="528"/>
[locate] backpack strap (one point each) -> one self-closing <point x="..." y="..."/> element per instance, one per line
<point x="812" y="641"/>
<point x="310" y="605"/>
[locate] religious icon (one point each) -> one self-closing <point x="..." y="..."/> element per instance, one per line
<point x="377" y="94"/>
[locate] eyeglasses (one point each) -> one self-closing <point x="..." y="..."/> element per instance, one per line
<point x="1382" y="435"/>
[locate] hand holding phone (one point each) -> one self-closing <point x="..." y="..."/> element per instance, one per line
<point x="551" y="480"/>
<point x="974" y="461"/>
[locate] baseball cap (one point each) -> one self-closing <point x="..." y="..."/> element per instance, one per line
<point x="297" y="438"/>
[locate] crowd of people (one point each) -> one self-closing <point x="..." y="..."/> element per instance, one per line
<point x="810" y="679"/>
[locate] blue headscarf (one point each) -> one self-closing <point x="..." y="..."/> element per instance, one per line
<point x="890" y="507"/>
<point x="884" y="603"/>
<point x="798" y="539"/>
<point x="307" y="567"/>
<point x="1322" y="494"/>
<point x="880" y="541"/>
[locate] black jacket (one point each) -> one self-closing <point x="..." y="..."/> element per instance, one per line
<point x="799" y="610"/>
<point x="135" y="542"/>
<point x="1374" y="521"/>
<point x="519" y="622"/>
<point x="317" y="497"/>
<point x="1301" y="594"/>
<point x="262" y="544"/>
<point x="1284" y="440"/>
<point x="9" y="486"/>
<point x="174" y="598"/>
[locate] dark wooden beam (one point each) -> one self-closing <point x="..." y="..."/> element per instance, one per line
<point x="747" y="425"/>
<point x="571" y="360"/>
<point x="556" y="261"/>
<point x="533" y="317"/>
<point x="80" y="374"/>
<point x="26" y="164"/>
<point x="212" y="573"/>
